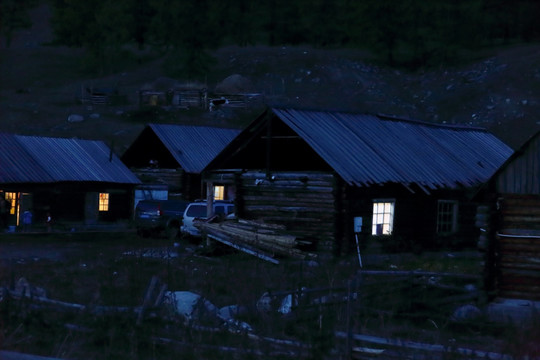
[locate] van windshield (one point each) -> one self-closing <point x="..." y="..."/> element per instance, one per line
<point x="196" y="211"/>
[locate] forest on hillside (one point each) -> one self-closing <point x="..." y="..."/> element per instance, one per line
<point x="407" y="33"/>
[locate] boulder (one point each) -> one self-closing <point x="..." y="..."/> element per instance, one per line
<point x="466" y="313"/>
<point x="234" y="84"/>
<point x="75" y="118"/>
<point x="190" y="307"/>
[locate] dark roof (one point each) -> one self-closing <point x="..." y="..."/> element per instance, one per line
<point x="520" y="172"/>
<point x="193" y="147"/>
<point x="367" y="149"/>
<point x="32" y="159"/>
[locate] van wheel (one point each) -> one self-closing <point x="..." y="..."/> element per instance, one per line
<point x="143" y="233"/>
<point x="172" y="231"/>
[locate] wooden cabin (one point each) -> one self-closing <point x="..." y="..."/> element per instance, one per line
<point x="340" y="178"/>
<point x="77" y="182"/>
<point x="168" y="159"/>
<point x="509" y="217"/>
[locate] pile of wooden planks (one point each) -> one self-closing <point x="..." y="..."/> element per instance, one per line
<point x="266" y="241"/>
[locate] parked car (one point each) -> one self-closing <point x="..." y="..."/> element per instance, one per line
<point x="153" y="217"/>
<point x="198" y="211"/>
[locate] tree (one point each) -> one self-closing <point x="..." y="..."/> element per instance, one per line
<point x="14" y="16"/>
<point x="381" y="24"/>
<point x="322" y="22"/>
<point x="237" y="20"/>
<point x="186" y="29"/>
<point x="142" y="15"/>
<point x="101" y="27"/>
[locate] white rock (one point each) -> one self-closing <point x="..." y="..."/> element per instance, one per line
<point x="75" y="118"/>
<point x="190" y="306"/>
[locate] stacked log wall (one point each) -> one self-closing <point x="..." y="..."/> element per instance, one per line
<point x="303" y="202"/>
<point x="172" y="177"/>
<point x="518" y="247"/>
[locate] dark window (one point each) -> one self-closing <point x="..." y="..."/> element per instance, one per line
<point x="196" y="211"/>
<point x="447" y="216"/>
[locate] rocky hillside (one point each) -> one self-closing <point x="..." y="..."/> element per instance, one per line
<point x="40" y="85"/>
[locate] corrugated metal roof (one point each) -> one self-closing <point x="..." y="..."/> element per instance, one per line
<point x="194" y="146"/>
<point x="367" y="149"/>
<point x="36" y="159"/>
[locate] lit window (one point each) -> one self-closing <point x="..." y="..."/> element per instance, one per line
<point x="219" y="192"/>
<point x="383" y="217"/>
<point x="447" y="216"/>
<point x="103" y="201"/>
<point x="11" y="198"/>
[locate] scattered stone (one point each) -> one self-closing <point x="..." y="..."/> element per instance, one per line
<point x="231" y="312"/>
<point x="264" y="304"/>
<point x="190" y="307"/>
<point x="466" y="313"/>
<point x="75" y="118"/>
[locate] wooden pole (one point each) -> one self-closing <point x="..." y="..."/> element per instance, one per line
<point x="209" y="199"/>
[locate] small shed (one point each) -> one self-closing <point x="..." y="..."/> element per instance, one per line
<point x="169" y="93"/>
<point x="74" y="180"/>
<point x="509" y="217"/>
<point x="339" y="177"/>
<point x="172" y="157"/>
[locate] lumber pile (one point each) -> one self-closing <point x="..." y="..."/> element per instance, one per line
<point x="266" y="241"/>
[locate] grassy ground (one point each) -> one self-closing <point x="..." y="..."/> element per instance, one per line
<point x="115" y="270"/>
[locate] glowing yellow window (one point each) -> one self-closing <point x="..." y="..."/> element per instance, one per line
<point x="103" y="201"/>
<point x="11" y="198"/>
<point x="219" y="192"/>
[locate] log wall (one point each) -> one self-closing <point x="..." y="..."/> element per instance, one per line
<point x="303" y="202"/>
<point x="173" y="178"/>
<point x="518" y="247"/>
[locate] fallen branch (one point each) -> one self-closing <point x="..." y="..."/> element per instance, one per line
<point x="11" y="355"/>
<point x="437" y="348"/>
<point x="190" y="345"/>
<point x="418" y="273"/>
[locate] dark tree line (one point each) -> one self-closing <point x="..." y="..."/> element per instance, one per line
<point x="415" y="33"/>
<point x="14" y="16"/>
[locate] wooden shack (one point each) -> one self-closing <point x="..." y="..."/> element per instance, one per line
<point x="169" y="158"/>
<point x="338" y="178"/>
<point x="510" y="220"/>
<point x="78" y="182"/>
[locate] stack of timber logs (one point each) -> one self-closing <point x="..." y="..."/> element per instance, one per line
<point x="303" y="202"/>
<point x="518" y="247"/>
<point x="263" y="240"/>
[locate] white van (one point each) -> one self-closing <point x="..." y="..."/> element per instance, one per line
<point x="198" y="210"/>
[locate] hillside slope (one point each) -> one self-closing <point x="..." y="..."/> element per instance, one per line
<point x="39" y="86"/>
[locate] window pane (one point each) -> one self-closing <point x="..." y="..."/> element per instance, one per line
<point x="103" y="202"/>
<point x="383" y="218"/>
<point x="11" y="198"/>
<point x="219" y="192"/>
<point x="197" y="211"/>
<point x="447" y="216"/>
